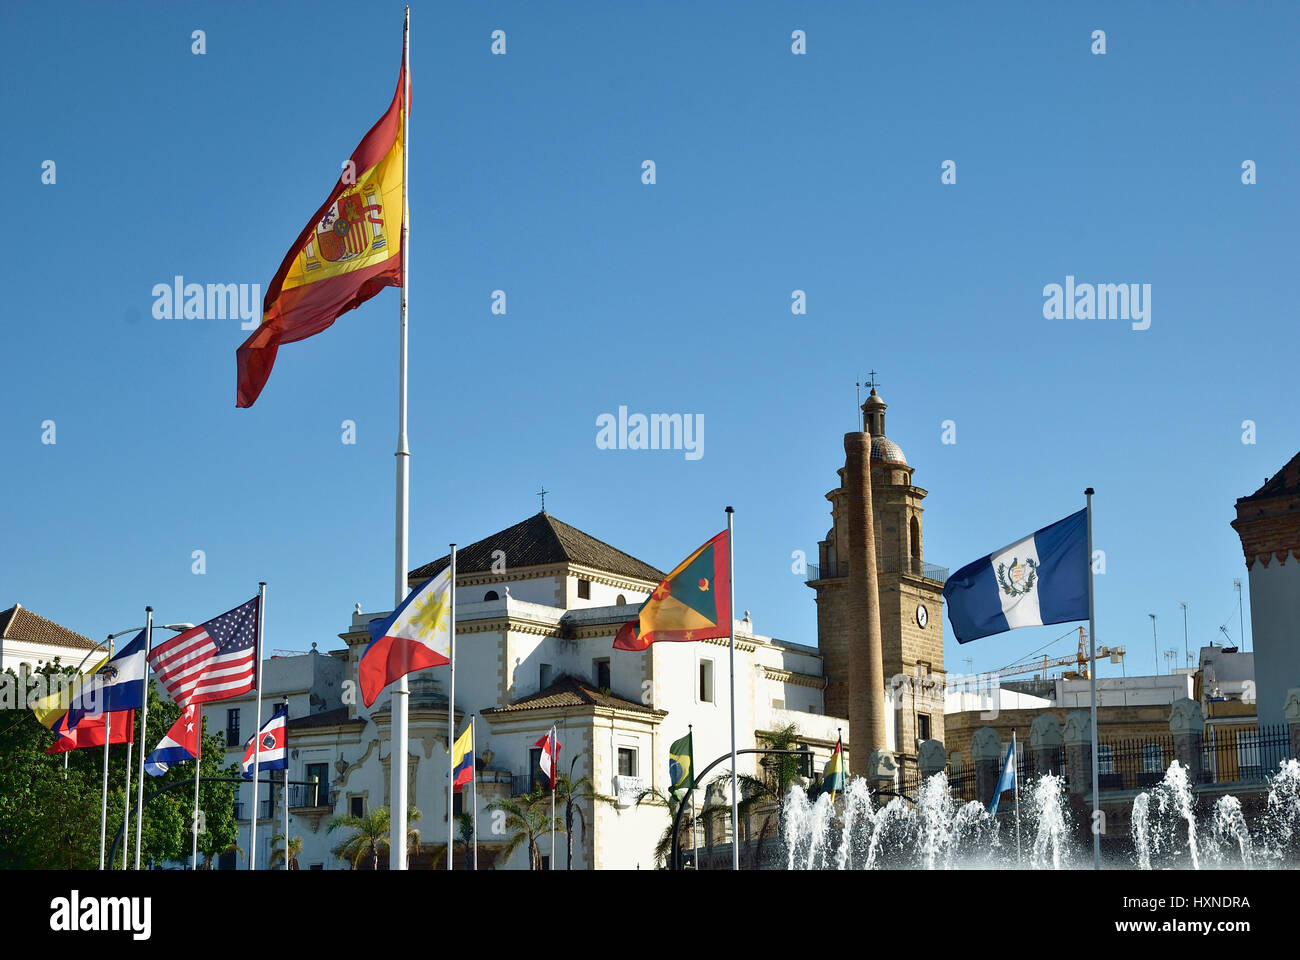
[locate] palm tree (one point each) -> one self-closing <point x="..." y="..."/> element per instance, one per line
<point x="765" y="795"/>
<point x="465" y="829"/>
<point x="277" y="852"/>
<point x="572" y="793"/>
<point x="371" y="835"/>
<point x="657" y="798"/>
<point x="527" y="818"/>
<point x="209" y="858"/>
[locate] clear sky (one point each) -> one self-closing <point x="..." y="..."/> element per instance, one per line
<point x="775" y="173"/>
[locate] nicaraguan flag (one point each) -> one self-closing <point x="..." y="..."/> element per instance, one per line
<point x="1008" y="779"/>
<point x="117" y="685"/>
<point x="270" y="742"/>
<point x="417" y="636"/>
<point x="179" y="745"/>
<point x="1040" y="579"/>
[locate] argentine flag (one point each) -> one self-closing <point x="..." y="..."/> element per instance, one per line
<point x="1040" y="579"/>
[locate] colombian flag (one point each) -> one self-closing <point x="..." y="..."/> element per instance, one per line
<point x="50" y="710"/>
<point x="692" y="603"/>
<point x="462" y="759"/>
<point x="833" y="778"/>
<point x="349" y="250"/>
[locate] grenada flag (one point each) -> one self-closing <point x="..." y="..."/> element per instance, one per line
<point x="692" y="603"/>
<point x="349" y="251"/>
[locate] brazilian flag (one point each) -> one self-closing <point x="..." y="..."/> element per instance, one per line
<point x="692" y="603"/>
<point x="681" y="764"/>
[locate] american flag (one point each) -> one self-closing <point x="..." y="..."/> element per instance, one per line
<point x="216" y="660"/>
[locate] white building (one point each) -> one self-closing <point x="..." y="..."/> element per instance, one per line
<point x="538" y="607"/>
<point x="29" y="639"/>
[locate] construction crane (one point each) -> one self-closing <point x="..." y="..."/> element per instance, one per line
<point x="1079" y="660"/>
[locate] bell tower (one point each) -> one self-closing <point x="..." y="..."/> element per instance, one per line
<point x="910" y="595"/>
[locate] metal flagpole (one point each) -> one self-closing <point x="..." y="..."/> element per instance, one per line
<point x="198" y="762"/>
<point x="1015" y="772"/>
<point x="103" y="812"/>
<point x="286" y="783"/>
<point x="473" y="775"/>
<point x="257" y="721"/>
<point x="397" y="755"/>
<point x="451" y="716"/>
<point x="695" y="843"/>
<point x="553" y="806"/>
<point x="126" y="798"/>
<point x="731" y="616"/>
<point x="1092" y="683"/>
<point x="144" y="723"/>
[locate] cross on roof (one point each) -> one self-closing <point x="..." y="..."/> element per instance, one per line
<point x="543" y="492"/>
<point x="872" y="381"/>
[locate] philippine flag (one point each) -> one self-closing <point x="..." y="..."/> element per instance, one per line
<point x="1040" y="579"/>
<point x="180" y="744"/>
<point x="270" y="741"/>
<point x="415" y="637"/>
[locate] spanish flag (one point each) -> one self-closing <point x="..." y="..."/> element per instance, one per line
<point x="349" y="250"/>
<point x="833" y="778"/>
<point x="692" y="603"/>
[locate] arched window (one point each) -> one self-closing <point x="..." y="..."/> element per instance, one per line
<point x="622" y="600"/>
<point x="916" y="540"/>
<point x="491" y="595"/>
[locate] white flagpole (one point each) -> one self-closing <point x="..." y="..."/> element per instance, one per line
<point x="731" y="625"/>
<point x="1092" y="684"/>
<point x="103" y="812"/>
<point x="286" y="783"/>
<point x="257" y="721"/>
<point x="1015" y="772"/>
<point x="451" y="717"/>
<point x="473" y="773"/>
<point x="552" y="812"/>
<point x="126" y="799"/>
<point x="397" y="755"/>
<point x="198" y="762"/>
<point x="695" y="843"/>
<point x="144" y="723"/>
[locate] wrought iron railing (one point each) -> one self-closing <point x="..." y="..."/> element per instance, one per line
<point x="912" y="565"/>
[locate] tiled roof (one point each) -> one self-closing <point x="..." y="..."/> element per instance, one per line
<point x="330" y="718"/>
<point x="1285" y="481"/>
<point x="569" y="691"/>
<point x="541" y="539"/>
<point x="884" y="450"/>
<point x="19" y="623"/>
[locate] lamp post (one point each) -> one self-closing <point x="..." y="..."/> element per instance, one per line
<point x="1186" y="656"/>
<point x="1155" y="645"/>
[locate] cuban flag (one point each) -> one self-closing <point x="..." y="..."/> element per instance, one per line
<point x="1040" y="579"/>
<point x="550" y="758"/>
<point x="415" y="637"/>
<point x="1008" y="779"/>
<point x="270" y="742"/>
<point x="180" y="744"/>
<point x="117" y="685"/>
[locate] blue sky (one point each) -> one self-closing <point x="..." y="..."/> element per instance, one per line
<point x="775" y="172"/>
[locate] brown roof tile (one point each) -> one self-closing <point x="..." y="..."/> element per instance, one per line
<point x="19" y="623"/>
<point x="569" y="691"/>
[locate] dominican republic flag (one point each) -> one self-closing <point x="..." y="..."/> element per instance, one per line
<point x="271" y="741"/>
<point x="180" y="744"/>
<point x="415" y="637"/>
<point x="550" y="758"/>
<point x="118" y="685"/>
<point x="1008" y="779"/>
<point x="216" y="660"/>
<point x="1040" y="579"/>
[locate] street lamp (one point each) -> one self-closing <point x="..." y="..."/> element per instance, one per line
<point x="1155" y="645"/>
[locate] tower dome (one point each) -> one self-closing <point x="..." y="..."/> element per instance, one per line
<point x="883" y="450"/>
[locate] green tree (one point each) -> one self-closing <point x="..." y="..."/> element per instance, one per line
<point x="573" y="794"/>
<point x="671" y="802"/>
<point x="465" y="831"/>
<point x="527" y="819"/>
<point x="277" y="851"/>
<point x="370" y="837"/>
<point x="763" y="797"/>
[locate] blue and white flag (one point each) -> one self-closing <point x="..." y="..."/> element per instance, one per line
<point x="1008" y="779"/>
<point x="1040" y="579"/>
<point x="117" y="685"/>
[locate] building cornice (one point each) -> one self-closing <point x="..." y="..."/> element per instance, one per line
<point x="798" y="679"/>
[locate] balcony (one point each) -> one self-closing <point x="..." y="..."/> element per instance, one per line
<point x="911" y="566"/>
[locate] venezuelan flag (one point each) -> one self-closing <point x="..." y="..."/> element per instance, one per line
<point x="692" y="603"/>
<point x="349" y="250"/>
<point x="833" y="777"/>
<point x="462" y="759"/>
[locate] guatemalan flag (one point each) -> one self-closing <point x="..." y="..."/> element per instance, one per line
<point x="1007" y="781"/>
<point x="415" y="637"/>
<point x="118" y="685"/>
<point x="1040" y="579"/>
<point x="180" y="744"/>
<point x="270" y="740"/>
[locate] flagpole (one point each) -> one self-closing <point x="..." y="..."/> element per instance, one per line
<point x="397" y="755"/>
<point x="286" y="783"/>
<point x="103" y="812"/>
<point x="731" y="617"/>
<point x="451" y="717"/>
<point x="1015" y="769"/>
<point x="553" y="760"/>
<point x="1092" y="684"/>
<point x="144" y="723"/>
<point x="695" y="843"/>
<point x="473" y="774"/>
<point x="198" y="761"/>
<point x="126" y="796"/>
<point x="257" y="721"/>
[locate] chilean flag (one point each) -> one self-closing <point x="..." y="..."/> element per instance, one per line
<point x="270" y="741"/>
<point x="415" y="637"/>
<point x="550" y="758"/>
<point x="180" y="744"/>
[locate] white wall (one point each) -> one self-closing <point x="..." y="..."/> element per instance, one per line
<point x="1275" y="626"/>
